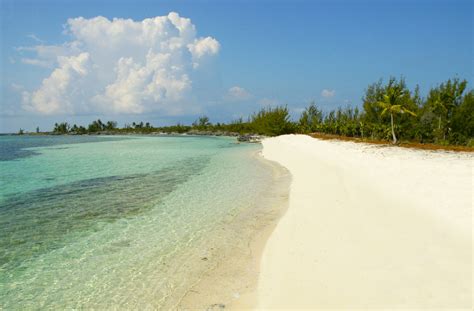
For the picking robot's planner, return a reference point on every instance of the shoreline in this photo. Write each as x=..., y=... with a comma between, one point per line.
x=369, y=227
x=322, y=136
x=231, y=283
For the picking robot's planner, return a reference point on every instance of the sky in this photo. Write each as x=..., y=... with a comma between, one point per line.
x=171, y=61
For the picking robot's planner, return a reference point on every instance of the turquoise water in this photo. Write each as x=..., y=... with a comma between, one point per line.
x=121, y=222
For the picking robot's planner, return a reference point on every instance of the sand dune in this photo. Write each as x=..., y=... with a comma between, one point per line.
x=369, y=227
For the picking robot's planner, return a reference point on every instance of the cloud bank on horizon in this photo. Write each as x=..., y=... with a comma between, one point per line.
x=121, y=66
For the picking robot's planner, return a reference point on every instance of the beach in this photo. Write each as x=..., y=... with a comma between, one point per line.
x=204, y=223
x=369, y=226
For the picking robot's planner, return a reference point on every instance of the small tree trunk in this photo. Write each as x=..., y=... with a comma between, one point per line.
x=393, y=130
x=439, y=123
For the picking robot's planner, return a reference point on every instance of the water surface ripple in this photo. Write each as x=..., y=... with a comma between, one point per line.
x=117, y=223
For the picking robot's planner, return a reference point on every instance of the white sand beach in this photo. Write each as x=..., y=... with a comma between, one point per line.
x=369, y=227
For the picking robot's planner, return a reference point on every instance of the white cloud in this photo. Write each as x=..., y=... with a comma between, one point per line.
x=50, y=53
x=328, y=93
x=56, y=94
x=17, y=87
x=121, y=66
x=36, y=62
x=35, y=38
x=268, y=102
x=237, y=93
x=202, y=47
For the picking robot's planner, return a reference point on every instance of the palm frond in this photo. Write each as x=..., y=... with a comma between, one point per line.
x=409, y=112
x=382, y=104
x=396, y=108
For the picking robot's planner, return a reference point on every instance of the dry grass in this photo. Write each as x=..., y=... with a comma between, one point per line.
x=414, y=145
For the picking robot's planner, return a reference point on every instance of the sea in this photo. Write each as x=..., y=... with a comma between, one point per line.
x=121, y=222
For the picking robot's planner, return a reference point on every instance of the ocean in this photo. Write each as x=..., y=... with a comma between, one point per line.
x=119, y=221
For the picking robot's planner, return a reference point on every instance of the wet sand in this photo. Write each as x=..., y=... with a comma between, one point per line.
x=230, y=282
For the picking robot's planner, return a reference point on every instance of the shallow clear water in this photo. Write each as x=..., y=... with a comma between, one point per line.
x=115, y=221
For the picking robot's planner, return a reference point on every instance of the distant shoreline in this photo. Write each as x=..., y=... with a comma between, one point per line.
x=404, y=144
x=127, y=134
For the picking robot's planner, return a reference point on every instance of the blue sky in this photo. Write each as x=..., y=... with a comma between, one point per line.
x=258, y=53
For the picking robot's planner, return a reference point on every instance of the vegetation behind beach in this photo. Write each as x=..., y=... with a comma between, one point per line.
x=389, y=111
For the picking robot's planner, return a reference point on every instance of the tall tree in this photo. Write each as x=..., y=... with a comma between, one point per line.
x=111, y=125
x=202, y=123
x=444, y=100
x=61, y=128
x=394, y=102
x=463, y=121
x=310, y=119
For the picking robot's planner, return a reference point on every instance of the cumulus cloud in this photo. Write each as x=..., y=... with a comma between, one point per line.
x=120, y=66
x=202, y=47
x=238, y=93
x=56, y=94
x=49, y=53
x=328, y=93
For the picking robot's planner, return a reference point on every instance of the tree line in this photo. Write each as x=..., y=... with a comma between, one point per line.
x=393, y=112
x=389, y=111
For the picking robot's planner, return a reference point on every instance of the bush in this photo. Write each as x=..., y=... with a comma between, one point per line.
x=272, y=122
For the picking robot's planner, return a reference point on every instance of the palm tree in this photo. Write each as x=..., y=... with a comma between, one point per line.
x=440, y=108
x=393, y=103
